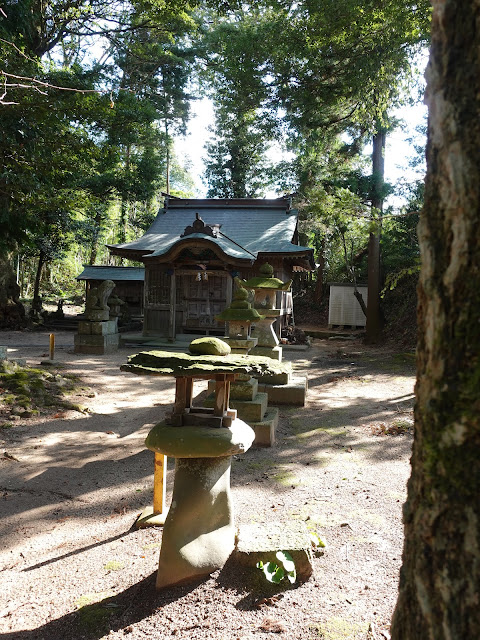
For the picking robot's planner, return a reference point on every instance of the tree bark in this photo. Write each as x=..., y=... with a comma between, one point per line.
x=440, y=577
x=374, y=324
x=12, y=311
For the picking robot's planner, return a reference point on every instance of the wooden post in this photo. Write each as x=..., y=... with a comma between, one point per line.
x=155, y=516
x=52, y=346
x=220, y=400
x=172, y=313
x=159, y=483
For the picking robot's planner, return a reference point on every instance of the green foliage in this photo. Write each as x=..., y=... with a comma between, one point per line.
x=275, y=573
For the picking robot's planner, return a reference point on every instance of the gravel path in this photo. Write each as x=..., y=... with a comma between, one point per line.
x=72, y=485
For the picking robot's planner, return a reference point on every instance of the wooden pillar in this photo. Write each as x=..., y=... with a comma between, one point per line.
x=159, y=483
x=173, y=299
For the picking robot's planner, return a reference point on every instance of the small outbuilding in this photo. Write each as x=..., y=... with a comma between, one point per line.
x=128, y=283
x=195, y=248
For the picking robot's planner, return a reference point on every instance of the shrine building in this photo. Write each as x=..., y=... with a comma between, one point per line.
x=195, y=248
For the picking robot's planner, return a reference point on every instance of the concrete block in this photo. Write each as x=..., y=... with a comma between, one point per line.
x=266, y=429
x=257, y=542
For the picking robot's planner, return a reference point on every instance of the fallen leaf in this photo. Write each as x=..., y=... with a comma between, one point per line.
x=61, y=414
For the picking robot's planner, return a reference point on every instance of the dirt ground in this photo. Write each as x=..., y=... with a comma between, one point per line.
x=72, y=485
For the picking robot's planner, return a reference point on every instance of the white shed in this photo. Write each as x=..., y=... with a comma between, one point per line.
x=344, y=309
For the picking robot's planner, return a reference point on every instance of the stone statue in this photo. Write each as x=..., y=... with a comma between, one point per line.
x=96, y=307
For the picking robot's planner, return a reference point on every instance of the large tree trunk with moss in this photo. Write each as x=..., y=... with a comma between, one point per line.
x=440, y=577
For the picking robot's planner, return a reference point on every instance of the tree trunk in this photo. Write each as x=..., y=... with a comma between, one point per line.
x=12, y=311
x=318, y=294
x=440, y=577
x=37, y=300
x=374, y=323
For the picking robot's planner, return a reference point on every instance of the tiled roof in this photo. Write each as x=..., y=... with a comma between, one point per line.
x=112, y=273
x=246, y=227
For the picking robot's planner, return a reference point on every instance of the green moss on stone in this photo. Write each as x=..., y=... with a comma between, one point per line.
x=200, y=442
x=165, y=363
x=209, y=346
x=241, y=315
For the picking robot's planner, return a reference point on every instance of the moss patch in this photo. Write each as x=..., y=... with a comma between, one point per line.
x=209, y=346
x=339, y=629
x=27, y=391
x=164, y=363
x=95, y=610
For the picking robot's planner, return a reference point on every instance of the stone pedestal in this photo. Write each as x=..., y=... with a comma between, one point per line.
x=241, y=346
x=251, y=406
x=97, y=336
x=261, y=542
x=267, y=341
x=199, y=532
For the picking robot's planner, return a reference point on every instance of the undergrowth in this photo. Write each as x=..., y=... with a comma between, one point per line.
x=26, y=391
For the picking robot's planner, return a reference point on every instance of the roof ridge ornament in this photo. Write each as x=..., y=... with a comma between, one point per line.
x=199, y=226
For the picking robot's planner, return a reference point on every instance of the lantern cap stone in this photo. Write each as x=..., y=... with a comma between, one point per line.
x=166, y=363
x=200, y=442
x=240, y=309
x=266, y=280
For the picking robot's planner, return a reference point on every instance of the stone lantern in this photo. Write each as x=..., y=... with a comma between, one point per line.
x=199, y=531
x=240, y=316
x=265, y=287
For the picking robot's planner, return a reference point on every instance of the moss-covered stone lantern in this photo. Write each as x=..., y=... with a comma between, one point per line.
x=265, y=287
x=199, y=533
x=240, y=317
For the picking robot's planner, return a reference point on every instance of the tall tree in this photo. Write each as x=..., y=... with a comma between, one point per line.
x=440, y=576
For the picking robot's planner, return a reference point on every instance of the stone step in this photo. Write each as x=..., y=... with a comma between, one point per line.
x=248, y=410
x=265, y=430
x=239, y=390
x=293, y=393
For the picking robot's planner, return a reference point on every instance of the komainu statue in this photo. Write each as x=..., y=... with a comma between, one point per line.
x=96, y=307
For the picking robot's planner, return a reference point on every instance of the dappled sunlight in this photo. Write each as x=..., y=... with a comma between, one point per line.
x=77, y=482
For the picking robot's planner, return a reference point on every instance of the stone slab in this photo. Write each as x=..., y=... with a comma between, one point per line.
x=265, y=430
x=148, y=518
x=276, y=378
x=255, y=542
x=293, y=393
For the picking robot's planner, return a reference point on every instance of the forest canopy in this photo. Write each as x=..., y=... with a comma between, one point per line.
x=93, y=95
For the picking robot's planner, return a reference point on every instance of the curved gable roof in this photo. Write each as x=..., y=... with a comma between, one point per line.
x=243, y=228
